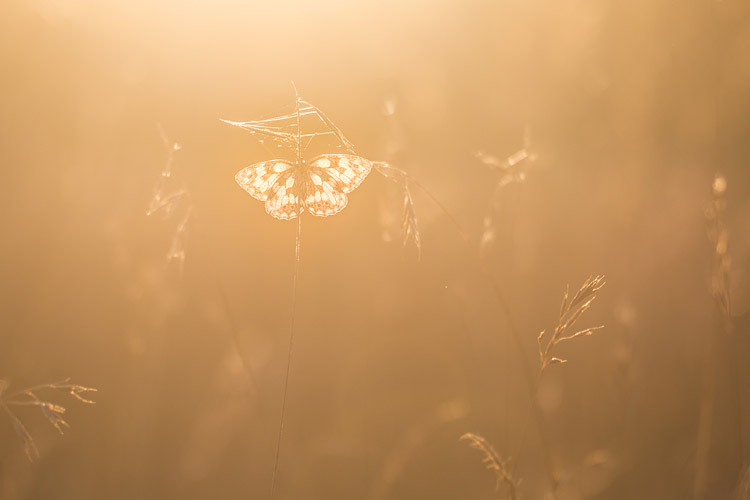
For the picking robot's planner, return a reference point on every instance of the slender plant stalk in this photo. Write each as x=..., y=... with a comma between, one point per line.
x=570, y=311
x=253, y=392
x=720, y=270
x=163, y=201
x=292, y=314
x=708, y=383
x=288, y=358
x=705, y=418
x=529, y=377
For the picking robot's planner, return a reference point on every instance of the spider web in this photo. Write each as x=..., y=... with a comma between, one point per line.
x=287, y=130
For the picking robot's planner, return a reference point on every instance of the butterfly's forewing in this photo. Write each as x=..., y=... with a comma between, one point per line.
x=329, y=178
x=347, y=171
x=260, y=179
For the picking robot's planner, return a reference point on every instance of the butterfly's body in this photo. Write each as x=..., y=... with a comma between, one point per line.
x=319, y=186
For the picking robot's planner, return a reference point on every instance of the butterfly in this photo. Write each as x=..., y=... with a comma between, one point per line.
x=319, y=186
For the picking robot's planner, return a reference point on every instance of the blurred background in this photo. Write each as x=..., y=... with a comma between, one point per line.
x=626, y=111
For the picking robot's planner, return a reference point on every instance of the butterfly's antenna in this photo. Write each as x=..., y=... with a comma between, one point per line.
x=294, y=307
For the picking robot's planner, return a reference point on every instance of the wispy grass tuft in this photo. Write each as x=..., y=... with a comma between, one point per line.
x=511, y=170
x=409, y=224
x=570, y=311
x=500, y=467
x=170, y=195
x=409, y=227
x=51, y=411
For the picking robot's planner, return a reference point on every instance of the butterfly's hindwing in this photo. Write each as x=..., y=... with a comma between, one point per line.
x=284, y=200
x=322, y=194
x=261, y=178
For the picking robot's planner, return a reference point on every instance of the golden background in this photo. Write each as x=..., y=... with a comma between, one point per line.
x=630, y=109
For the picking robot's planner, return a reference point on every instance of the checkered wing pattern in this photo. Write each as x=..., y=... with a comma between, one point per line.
x=258, y=179
x=321, y=188
x=273, y=182
x=346, y=171
x=329, y=179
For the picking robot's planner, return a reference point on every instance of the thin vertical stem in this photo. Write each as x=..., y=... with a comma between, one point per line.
x=294, y=307
x=289, y=356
